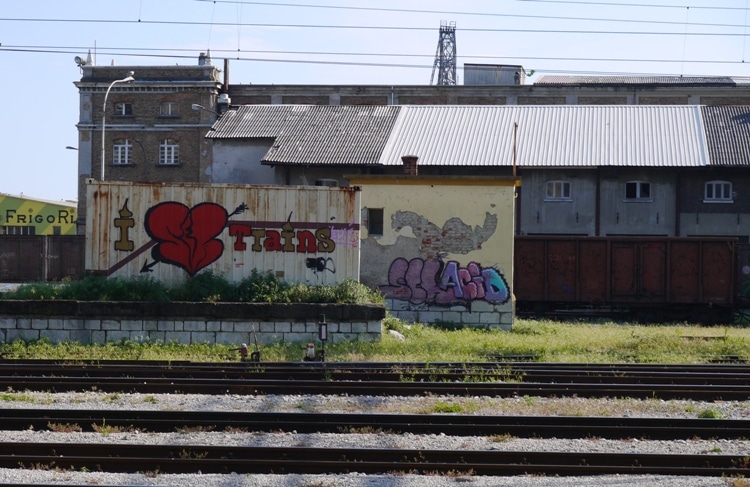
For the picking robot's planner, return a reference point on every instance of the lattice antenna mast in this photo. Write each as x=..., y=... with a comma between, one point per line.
x=445, y=56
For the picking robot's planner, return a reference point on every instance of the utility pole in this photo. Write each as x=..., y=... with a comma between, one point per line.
x=445, y=56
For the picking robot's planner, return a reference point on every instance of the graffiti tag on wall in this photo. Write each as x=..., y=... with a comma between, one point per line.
x=455, y=236
x=189, y=238
x=432, y=281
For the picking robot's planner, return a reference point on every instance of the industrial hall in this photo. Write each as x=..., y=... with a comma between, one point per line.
x=597, y=156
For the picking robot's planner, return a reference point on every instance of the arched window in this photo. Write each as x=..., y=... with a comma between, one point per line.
x=122, y=149
x=169, y=152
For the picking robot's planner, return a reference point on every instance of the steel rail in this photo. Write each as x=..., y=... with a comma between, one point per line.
x=285, y=460
x=706, y=382
x=360, y=371
x=705, y=392
x=455, y=425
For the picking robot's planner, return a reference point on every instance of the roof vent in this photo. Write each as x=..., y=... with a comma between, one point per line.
x=331, y=183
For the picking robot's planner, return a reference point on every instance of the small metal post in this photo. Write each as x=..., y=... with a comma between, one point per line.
x=323, y=332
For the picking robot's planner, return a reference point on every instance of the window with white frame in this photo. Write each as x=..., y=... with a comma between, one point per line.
x=169, y=152
x=122, y=149
x=718, y=191
x=558, y=191
x=638, y=190
x=123, y=109
x=169, y=109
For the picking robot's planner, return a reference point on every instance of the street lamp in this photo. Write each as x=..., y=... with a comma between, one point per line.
x=196, y=107
x=126, y=79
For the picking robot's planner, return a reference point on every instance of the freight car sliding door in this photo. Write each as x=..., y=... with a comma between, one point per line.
x=638, y=271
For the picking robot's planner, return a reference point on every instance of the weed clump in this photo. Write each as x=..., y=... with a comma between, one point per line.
x=205, y=287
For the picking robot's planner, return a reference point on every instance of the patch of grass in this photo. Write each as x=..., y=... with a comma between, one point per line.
x=578, y=342
x=447, y=407
x=710, y=413
x=16, y=397
x=196, y=429
x=502, y=438
x=64, y=427
x=108, y=429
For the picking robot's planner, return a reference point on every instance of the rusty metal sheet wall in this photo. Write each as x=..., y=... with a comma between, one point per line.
x=638, y=270
x=593, y=268
x=530, y=276
x=562, y=267
x=628, y=270
x=21, y=258
x=742, y=274
x=684, y=272
x=303, y=234
x=65, y=256
x=717, y=260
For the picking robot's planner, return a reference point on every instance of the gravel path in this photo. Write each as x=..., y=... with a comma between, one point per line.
x=517, y=405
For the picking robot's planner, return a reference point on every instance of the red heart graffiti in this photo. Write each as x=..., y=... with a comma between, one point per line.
x=186, y=237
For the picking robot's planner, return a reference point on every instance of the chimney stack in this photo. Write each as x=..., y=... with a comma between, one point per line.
x=410, y=165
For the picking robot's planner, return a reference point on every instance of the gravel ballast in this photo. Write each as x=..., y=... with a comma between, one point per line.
x=356, y=404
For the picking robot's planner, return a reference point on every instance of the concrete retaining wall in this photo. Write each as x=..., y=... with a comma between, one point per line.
x=481, y=314
x=99, y=322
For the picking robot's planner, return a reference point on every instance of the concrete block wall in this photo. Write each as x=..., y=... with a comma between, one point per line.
x=232, y=324
x=481, y=314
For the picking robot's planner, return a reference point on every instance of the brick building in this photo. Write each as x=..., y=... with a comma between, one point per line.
x=153, y=133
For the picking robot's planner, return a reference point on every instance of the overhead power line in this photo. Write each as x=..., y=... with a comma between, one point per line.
x=374, y=27
x=454, y=12
x=237, y=57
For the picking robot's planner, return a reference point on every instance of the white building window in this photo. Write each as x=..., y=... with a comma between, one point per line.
x=169, y=109
x=169, y=152
x=122, y=149
x=558, y=191
x=718, y=192
x=123, y=109
x=638, y=190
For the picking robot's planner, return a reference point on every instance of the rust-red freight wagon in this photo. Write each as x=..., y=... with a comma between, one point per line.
x=649, y=278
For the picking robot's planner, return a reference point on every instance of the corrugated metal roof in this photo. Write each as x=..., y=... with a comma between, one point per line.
x=310, y=134
x=727, y=134
x=635, y=80
x=554, y=136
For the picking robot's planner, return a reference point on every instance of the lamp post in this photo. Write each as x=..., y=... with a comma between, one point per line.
x=197, y=107
x=126, y=79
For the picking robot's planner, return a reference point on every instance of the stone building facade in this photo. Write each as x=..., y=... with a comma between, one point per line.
x=152, y=131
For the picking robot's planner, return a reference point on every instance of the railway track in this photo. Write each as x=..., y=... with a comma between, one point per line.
x=454, y=425
x=285, y=460
x=386, y=379
x=699, y=382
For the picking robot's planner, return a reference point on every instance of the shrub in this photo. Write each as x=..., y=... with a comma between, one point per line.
x=204, y=287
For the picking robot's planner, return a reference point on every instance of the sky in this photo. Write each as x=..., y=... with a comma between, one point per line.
x=391, y=42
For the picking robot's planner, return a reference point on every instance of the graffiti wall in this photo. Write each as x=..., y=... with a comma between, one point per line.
x=445, y=250
x=173, y=231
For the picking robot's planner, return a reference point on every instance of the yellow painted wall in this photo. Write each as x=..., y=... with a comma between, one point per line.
x=44, y=216
x=459, y=221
